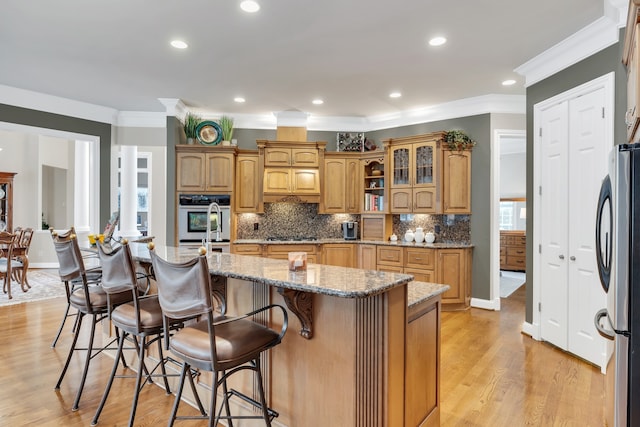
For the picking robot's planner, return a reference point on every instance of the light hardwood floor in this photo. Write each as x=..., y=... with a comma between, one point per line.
x=492, y=375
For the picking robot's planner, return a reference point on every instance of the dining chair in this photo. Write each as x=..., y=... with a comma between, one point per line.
x=7, y=243
x=93, y=276
x=87, y=300
x=222, y=346
x=20, y=265
x=141, y=319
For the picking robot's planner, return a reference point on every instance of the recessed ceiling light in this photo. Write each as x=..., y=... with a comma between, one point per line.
x=437, y=41
x=179, y=44
x=395, y=95
x=239, y=99
x=508, y=82
x=250, y=6
x=318, y=101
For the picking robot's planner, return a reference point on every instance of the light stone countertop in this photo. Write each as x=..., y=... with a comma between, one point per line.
x=435, y=245
x=318, y=278
x=418, y=292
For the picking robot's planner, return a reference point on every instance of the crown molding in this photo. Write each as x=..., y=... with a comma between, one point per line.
x=141, y=119
x=57, y=105
x=591, y=39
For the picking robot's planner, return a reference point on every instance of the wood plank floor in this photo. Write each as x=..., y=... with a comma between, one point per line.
x=492, y=375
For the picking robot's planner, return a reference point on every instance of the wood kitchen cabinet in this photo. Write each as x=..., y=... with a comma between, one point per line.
x=340, y=190
x=421, y=263
x=6, y=201
x=252, y=249
x=205, y=169
x=247, y=183
x=282, y=251
x=367, y=257
x=290, y=170
x=339, y=254
x=453, y=268
x=426, y=177
x=374, y=183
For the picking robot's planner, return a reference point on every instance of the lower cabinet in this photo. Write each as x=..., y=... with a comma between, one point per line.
x=367, y=257
x=282, y=252
x=339, y=254
x=446, y=266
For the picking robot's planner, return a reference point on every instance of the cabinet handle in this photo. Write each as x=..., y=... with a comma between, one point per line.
x=561, y=256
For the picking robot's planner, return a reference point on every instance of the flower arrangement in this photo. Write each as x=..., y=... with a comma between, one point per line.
x=191, y=122
x=458, y=140
x=226, y=124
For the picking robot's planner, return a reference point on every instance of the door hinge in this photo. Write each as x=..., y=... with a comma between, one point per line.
x=540, y=133
x=540, y=306
x=539, y=249
x=603, y=112
x=540, y=190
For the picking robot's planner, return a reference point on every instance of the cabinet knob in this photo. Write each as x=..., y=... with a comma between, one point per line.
x=572, y=258
x=561, y=256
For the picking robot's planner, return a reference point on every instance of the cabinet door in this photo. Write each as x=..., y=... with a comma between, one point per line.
x=421, y=258
x=452, y=271
x=277, y=156
x=424, y=200
x=246, y=195
x=219, y=169
x=339, y=254
x=277, y=181
x=304, y=157
x=333, y=197
x=423, y=166
x=401, y=160
x=367, y=257
x=190, y=171
x=305, y=181
x=401, y=200
x=421, y=275
x=390, y=255
x=352, y=185
x=456, y=181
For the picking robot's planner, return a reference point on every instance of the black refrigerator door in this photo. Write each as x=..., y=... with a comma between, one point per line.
x=604, y=233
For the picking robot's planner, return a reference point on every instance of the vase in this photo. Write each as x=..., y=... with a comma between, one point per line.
x=408, y=236
x=419, y=235
x=190, y=141
x=226, y=143
x=430, y=237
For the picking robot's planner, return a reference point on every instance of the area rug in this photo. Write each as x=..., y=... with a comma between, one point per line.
x=44, y=285
x=510, y=281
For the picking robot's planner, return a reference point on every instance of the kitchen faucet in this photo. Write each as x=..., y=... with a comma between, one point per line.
x=206, y=242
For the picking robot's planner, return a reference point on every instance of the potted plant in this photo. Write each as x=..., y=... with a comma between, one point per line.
x=191, y=122
x=458, y=140
x=226, y=124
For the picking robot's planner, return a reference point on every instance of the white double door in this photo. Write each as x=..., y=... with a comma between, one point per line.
x=573, y=162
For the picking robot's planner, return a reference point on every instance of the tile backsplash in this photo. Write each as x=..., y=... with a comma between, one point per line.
x=303, y=220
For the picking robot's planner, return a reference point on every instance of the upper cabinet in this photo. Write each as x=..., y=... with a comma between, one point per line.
x=427, y=178
x=374, y=183
x=6, y=201
x=631, y=60
x=205, y=169
x=340, y=189
x=246, y=195
x=290, y=170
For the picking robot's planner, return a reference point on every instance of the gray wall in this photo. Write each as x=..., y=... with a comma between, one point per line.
x=603, y=62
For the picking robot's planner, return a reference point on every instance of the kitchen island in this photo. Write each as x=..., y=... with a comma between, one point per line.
x=368, y=350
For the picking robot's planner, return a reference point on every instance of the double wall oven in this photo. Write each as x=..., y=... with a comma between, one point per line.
x=192, y=220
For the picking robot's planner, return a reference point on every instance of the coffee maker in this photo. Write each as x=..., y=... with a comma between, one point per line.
x=350, y=230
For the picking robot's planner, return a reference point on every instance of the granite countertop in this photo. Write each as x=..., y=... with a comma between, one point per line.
x=318, y=278
x=435, y=245
x=418, y=292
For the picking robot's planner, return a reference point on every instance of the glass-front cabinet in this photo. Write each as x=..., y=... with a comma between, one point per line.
x=413, y=177
x=6, y=201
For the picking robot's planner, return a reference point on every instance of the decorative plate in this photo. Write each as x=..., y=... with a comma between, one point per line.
x=209, y=133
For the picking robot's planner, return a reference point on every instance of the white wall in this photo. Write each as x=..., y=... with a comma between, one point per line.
x=513, y=175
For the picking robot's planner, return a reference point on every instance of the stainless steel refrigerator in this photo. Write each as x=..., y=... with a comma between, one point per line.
x=618, y=258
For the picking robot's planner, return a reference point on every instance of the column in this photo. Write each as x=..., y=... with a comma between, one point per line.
x=129, y=190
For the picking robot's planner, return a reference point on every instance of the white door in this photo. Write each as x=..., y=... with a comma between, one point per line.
x=554, y=211
x=574, y=161
x=587, y=166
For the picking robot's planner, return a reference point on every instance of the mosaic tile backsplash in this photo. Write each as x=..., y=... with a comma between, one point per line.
x=302, y=220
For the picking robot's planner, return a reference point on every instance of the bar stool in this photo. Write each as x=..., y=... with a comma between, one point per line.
x=222, y=347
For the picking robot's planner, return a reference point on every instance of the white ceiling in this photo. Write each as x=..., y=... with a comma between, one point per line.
x=350, y=53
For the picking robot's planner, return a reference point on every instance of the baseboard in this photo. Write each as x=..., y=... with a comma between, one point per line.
x=528, y=329
x=485, y=304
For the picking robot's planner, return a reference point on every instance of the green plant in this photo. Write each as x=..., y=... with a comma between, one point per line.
x=458, y=140
x=191, y=122
x=226, y=124
x=45, y=224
